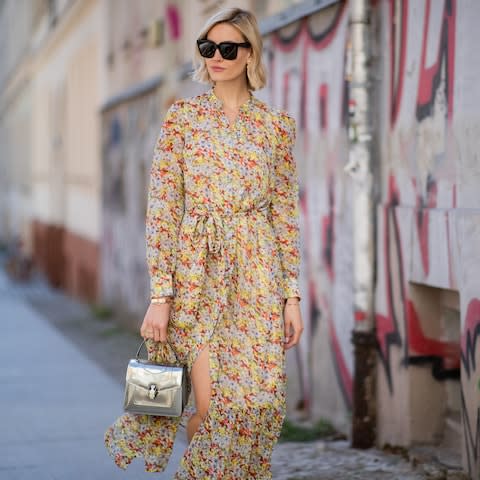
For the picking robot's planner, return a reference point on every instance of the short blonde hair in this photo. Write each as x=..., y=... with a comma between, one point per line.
x=246, y=23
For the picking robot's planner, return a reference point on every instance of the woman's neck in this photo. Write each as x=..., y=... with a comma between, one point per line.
x=231, y=94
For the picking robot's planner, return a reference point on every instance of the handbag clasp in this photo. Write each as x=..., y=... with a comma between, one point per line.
x=152, y=391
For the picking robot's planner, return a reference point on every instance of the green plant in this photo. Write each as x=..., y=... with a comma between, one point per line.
x=292, y=432
x=102, y=312
x=110, y=332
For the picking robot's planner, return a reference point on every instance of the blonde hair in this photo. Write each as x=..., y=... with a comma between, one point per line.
x=246, y=23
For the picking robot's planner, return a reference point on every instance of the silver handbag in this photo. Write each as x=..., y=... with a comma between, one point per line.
x=156, y=389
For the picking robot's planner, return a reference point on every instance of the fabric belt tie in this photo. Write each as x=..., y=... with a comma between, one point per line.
x=209, y=235
x=211, y=223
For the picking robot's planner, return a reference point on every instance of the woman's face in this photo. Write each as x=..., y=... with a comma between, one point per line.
x=219, y=69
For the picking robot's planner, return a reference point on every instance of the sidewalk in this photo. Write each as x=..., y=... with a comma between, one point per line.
x=55, y=354
x=55, y=403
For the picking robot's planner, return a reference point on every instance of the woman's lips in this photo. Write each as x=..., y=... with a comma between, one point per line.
x=218, y=69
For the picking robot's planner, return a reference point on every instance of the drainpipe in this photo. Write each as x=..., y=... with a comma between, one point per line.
x=360, y=168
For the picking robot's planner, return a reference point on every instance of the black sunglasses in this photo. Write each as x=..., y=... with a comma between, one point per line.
x=228, y=50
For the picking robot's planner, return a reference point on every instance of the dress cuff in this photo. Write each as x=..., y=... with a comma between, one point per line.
x=290, y=289
x=161, y=286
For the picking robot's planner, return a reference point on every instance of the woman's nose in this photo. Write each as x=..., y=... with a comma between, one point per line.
x=217, y=55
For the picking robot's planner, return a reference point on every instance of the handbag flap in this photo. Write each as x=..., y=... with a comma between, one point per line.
x=143, y=374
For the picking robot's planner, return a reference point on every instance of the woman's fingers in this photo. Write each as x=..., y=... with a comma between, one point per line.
x=146, y=331
x=155, y=323
x=287, y=330
x=163, y=335
x=293, y=340
x=296, y=335
x=293, y=328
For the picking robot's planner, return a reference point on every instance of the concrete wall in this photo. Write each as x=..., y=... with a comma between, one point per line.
x=66, y=171
x=306, y=63
x=129, y=133
x=16, y=21
x=15, y=178
x=427, y=300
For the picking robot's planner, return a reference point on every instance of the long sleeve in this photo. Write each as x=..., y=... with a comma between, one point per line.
x=284, y=208
x=165, y=203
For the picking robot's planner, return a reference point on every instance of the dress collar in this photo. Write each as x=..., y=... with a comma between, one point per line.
x=245, y=106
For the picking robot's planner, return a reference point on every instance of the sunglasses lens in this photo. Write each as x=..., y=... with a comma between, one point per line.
x=228, y=51
x=207, y=49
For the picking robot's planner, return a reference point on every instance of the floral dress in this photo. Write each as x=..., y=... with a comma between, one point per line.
x=222, y=238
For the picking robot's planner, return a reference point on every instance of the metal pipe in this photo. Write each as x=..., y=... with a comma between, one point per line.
x=360, y=167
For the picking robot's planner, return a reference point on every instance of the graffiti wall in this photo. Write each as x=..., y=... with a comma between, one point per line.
x=427, y=135
x=428, y=291
x=130, y=128
x=129, y=133
x=306, y=63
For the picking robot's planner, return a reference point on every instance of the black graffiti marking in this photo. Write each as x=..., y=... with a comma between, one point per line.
x=439, y=372
x=472, y=440
x=468, y=357
x=426, y=110
x=319, y=37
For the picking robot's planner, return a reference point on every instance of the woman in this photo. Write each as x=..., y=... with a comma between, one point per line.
x=223, y=256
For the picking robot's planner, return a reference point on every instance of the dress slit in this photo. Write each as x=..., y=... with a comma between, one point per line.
x=207, y=345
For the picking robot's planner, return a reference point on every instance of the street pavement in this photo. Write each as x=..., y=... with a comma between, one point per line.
x=61, y=375
x=55, y=403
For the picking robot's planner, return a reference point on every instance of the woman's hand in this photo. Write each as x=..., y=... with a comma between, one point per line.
x=155, y=322
x=292, y=317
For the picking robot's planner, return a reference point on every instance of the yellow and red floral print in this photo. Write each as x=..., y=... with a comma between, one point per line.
x=222, y=238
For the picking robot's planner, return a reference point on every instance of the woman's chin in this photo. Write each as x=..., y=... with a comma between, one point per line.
x=217, y=76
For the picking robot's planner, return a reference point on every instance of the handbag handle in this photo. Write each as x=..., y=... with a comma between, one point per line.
x=137, y=356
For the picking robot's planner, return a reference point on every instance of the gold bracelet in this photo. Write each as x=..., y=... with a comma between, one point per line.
x=288, y=301
x=159, y=300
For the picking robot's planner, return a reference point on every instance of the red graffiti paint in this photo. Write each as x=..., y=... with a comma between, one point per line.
x=360, y=316
x=294, y=80
x=286, y=89
x=345, y=377
x=421, y=345
x=419, y=349
x=288, y=43
x=323, y=95
x=430, y=77
x=398, y=51
x=322, y=40
x=173, y=19
x=387, y=327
